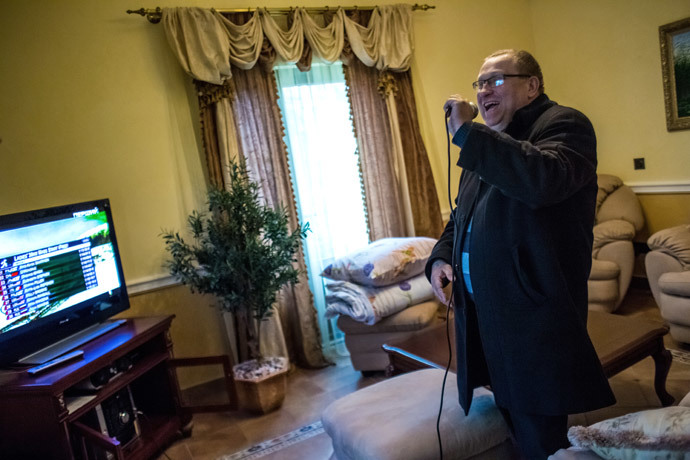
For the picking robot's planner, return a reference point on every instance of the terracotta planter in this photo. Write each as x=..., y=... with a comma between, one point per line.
x=261, y=391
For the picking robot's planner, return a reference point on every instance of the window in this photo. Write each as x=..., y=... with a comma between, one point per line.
x=325, y=172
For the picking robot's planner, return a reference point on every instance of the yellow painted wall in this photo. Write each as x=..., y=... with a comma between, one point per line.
x=451, y=43
x=197, y=329
x=603, y=57
x=93, y=105
x=664, y=211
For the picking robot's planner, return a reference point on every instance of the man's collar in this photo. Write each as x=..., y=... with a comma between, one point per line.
x=527, y=115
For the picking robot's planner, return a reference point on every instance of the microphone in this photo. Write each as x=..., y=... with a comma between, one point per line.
x=475, y=110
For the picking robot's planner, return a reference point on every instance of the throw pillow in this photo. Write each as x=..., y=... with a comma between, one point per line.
x=383, y=262
x=651, y=434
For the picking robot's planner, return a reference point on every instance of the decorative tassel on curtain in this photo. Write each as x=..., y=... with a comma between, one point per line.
x=240, y=119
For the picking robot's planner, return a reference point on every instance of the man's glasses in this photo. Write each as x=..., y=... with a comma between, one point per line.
x=496, y=80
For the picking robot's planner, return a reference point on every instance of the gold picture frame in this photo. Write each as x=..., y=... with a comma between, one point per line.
x=675, y=66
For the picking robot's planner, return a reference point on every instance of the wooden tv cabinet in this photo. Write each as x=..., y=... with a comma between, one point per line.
x=50, y=415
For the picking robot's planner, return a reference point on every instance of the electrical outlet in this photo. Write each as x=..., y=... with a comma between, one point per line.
x=639, y=163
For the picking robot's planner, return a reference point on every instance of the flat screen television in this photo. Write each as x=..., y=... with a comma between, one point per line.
x=60, y=280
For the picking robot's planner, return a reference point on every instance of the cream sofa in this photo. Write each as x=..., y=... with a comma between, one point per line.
x=668, y=272
x=618, y=219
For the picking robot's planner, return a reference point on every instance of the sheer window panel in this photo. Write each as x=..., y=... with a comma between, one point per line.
x=324, y=164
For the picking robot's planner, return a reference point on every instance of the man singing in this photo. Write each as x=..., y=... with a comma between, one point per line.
x=518, y=249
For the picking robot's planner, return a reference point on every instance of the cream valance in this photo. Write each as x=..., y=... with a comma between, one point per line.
x=206, y=43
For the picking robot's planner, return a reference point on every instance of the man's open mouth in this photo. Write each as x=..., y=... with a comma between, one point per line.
x=489, y=106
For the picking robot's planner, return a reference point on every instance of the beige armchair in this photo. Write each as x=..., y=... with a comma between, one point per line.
x=668, y=272
x=618, y=219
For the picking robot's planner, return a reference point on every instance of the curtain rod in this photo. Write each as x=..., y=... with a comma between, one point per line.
x=154, y=16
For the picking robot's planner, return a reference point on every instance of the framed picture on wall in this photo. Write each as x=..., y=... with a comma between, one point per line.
x=675, y=64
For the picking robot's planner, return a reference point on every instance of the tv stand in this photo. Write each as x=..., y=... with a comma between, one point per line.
x=70, y=343
x=121, y=401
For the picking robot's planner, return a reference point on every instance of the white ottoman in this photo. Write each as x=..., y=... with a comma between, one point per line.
x=396, y=420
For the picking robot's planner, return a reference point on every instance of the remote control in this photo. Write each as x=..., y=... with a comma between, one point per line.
x=54, y=362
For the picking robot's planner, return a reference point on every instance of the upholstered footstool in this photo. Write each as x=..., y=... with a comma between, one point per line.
x=396, y=420
x=364, y=341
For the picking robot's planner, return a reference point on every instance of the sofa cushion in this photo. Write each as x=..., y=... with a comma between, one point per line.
x=674, y=241
x=675, y=283
x=574, y=453
x=383, y=262
x=675, y=310
x=612, y=230
x=685, y=402
x=657, y=433
x=607, y=184
x=616, y=200
x=605, y=270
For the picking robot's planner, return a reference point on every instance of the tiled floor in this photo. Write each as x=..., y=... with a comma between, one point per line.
x=310, y=391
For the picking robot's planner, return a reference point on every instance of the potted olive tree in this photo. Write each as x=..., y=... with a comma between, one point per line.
x=242, y=253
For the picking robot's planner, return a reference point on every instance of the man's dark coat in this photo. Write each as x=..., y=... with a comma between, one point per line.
x=530, y=193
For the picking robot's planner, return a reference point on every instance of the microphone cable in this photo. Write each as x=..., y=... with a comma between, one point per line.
x=450, y=299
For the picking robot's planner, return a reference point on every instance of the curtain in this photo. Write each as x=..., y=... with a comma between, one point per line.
x=205, y=42
x=231, y=57
x=399, y=184
x=426, y=211
x=372, y=129
x=260, y=135
x=325, y=171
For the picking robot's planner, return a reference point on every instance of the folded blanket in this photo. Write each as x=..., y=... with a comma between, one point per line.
x=370, y=304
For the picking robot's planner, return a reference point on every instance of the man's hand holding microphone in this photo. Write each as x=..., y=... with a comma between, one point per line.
x=458, y=111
